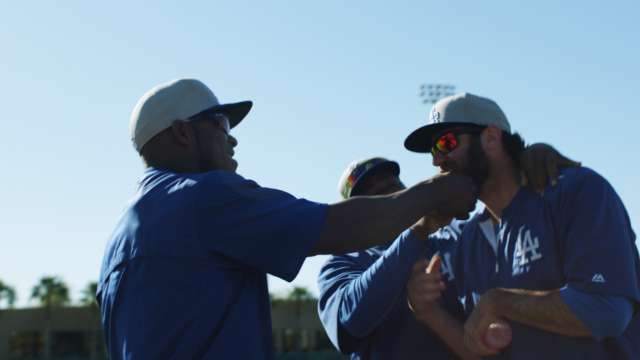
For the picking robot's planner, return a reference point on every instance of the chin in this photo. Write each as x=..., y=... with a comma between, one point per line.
x=233, y=165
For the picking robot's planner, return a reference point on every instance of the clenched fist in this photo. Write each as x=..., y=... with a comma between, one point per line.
x=455, y=195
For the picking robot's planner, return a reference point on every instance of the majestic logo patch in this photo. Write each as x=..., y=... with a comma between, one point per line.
x=526, y=251
x=598, y=278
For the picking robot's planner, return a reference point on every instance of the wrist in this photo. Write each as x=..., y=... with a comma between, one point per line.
x=419, y=231
x=493, y=301
x=430, y=195
x=426, y=312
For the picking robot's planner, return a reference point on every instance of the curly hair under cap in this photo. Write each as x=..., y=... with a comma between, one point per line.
x=514, y=146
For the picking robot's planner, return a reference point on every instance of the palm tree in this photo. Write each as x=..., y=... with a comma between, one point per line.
x=89, y=300
x=50, y=292
x=89, y=294
x=299, y=295
x=7, y=295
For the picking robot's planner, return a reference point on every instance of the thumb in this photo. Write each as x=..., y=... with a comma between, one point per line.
x=434, y=265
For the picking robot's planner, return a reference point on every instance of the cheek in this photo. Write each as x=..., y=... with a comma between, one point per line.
x=456, y=154
x=457, y=158
x=220, y=144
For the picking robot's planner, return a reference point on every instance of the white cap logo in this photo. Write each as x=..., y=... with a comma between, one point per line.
x=435, y=115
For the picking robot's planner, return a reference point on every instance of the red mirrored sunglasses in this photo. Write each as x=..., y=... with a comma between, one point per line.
x=448, y=141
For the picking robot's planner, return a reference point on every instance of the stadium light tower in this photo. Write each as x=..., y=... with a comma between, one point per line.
x=431, y=93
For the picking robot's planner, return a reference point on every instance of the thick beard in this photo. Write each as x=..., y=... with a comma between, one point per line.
x=477, y=166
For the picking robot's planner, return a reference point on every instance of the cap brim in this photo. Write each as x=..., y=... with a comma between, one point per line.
x=388, y=165
x=421, y=140
x=234, y=111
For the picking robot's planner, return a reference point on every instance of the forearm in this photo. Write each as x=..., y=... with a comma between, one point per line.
x=368, y=298
x=448, y=329
x=362, y=222
x=544, y=310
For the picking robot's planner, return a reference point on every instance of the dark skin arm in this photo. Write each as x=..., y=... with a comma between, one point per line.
x=362, y=222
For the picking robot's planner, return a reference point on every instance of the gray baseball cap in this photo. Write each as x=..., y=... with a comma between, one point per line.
x=460, y=110
x=179, y=99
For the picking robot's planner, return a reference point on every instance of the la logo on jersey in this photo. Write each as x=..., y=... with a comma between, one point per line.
x=526, y=251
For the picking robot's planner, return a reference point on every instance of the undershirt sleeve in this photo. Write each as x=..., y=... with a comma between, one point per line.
x=605, y=315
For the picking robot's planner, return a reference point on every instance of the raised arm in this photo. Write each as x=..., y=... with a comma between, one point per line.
x=362, y=222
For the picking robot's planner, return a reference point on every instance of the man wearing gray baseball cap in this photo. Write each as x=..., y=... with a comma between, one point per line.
x=558, y=272
x=184, y=272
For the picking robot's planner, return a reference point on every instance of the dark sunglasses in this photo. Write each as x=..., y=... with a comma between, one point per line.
x=448, y=141
x=221, y=119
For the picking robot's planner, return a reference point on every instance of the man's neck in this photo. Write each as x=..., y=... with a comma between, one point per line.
x=499, y=190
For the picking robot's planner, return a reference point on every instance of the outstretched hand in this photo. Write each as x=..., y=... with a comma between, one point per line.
x=425, y=285
x=541, y=164
x=455, y=194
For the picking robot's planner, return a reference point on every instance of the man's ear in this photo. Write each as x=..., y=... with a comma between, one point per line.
x=491, y=138
x=182, y=133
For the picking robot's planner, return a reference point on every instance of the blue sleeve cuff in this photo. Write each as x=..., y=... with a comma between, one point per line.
x=605, y=315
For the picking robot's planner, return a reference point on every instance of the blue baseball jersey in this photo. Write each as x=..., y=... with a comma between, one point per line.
x=184, y=273
x=363, y=299
x=576, y=234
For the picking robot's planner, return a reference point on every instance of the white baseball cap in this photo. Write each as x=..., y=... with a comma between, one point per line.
x=459, y=110
x=178, y=99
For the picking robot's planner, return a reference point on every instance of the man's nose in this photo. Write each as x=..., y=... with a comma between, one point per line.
x=233, y=141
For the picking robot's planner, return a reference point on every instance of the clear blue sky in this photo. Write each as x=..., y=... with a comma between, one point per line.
x=332, y=81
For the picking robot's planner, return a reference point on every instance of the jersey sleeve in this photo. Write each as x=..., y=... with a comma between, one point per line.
x=268, y=229
x=600, y=255
x=358, y=291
